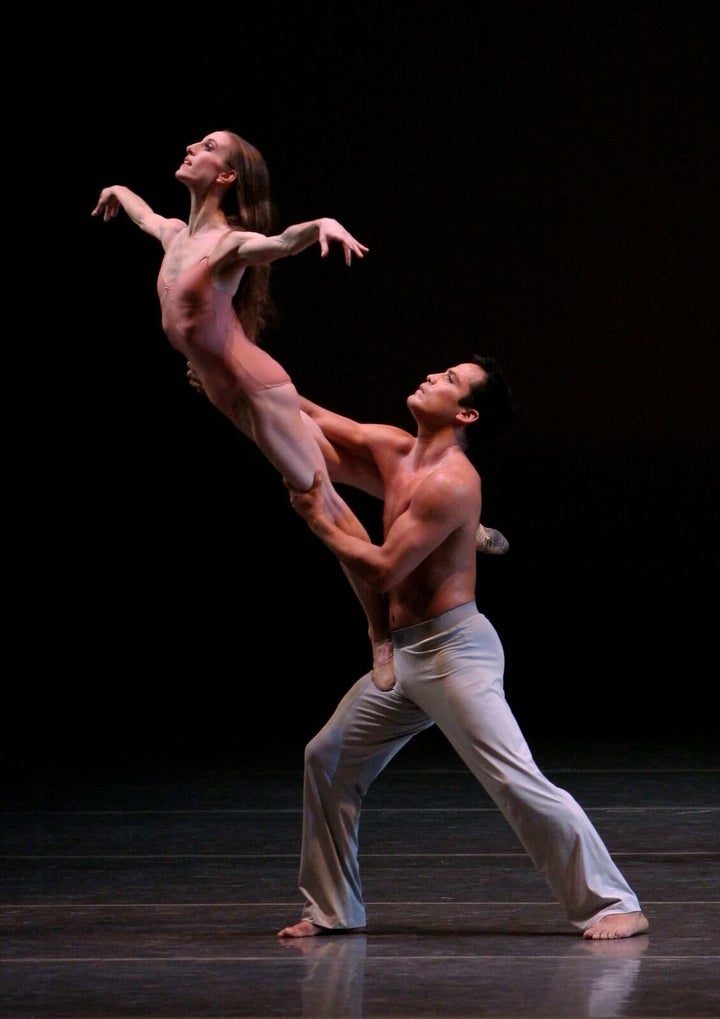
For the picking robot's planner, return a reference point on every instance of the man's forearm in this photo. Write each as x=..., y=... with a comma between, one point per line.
x=358, y=555
x=355, y=554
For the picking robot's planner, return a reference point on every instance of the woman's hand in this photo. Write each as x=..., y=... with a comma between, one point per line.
x=108, y=205
x=330, y=230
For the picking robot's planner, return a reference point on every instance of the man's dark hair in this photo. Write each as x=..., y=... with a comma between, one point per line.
x=491, y=398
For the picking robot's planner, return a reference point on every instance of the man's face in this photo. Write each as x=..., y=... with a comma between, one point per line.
x=440, y=394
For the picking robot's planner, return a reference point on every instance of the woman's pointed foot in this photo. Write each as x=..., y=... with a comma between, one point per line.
x=490, y=541
x=383, y=668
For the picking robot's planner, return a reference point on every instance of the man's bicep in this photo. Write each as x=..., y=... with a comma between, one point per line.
x=342, y=431
x=438, y=507
x=347, y=469
x=408, y=542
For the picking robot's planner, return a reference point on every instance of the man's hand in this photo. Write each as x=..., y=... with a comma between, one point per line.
x=193, y=379
x=309, y=505
x=305, y=503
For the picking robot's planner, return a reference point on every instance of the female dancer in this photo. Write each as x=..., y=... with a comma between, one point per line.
x=214, y=293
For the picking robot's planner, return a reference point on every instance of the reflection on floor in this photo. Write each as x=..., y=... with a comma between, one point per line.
x=157, y=892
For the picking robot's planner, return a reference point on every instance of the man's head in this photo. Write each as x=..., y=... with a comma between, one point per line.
x=491, y=398
x=474, y=392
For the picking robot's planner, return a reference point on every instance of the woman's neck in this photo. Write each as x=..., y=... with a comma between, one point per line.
x=205, y=214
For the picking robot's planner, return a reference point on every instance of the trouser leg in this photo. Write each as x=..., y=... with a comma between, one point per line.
x=457, y=678
x=365, y=732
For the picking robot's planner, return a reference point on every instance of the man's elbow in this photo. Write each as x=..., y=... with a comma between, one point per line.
x=382, y=579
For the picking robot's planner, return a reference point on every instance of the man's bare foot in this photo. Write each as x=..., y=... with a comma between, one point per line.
x=304, y=929
x=490, y=541
x=383, y=670
x=600, y=948
x=617, y=925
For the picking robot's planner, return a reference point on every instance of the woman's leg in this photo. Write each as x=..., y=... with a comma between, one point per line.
x=286, y=437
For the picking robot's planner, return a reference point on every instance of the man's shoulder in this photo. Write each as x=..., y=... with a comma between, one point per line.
x=452, y=477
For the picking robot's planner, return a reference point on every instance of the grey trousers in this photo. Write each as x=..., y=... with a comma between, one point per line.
x=450, y=673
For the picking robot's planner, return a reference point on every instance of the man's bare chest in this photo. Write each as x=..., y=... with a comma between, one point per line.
x=406, y=481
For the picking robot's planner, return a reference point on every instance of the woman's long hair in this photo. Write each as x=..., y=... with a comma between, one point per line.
x=249, y=205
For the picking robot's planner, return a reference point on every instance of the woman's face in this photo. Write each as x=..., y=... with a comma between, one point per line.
x=206, y=161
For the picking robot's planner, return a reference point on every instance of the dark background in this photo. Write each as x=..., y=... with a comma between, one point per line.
x=538, y=181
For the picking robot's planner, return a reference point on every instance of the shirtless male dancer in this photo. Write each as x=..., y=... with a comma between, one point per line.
x=214, y=293
x=448, y=664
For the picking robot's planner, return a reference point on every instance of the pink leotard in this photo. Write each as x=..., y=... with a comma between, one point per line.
x=201, y=323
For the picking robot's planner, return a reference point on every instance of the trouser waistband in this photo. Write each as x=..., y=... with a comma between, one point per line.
x=408, y=635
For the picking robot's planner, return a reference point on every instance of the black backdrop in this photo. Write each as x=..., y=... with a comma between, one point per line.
x=535, y=180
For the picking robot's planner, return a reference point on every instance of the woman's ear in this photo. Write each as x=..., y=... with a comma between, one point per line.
x=227, y=176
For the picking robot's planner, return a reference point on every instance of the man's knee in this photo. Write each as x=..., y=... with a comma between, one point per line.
x=323, y=753
x=316, y=751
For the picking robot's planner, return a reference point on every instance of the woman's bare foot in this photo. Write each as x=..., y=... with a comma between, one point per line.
x=617, y=925
x=383, y=669
x=304, y=929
